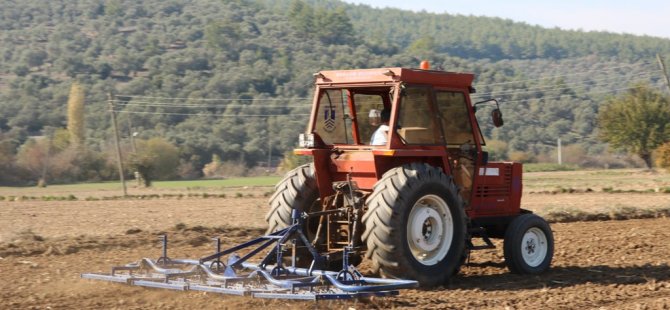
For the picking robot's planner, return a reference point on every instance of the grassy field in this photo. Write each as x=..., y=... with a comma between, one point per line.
x=633, y=180
x=237, y=182
x=159, y=187
x=598, y=180
x=559, y=196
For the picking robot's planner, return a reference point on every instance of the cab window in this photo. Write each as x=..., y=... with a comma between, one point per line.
x=453, y=111
x=416, y=123
x=333, y=123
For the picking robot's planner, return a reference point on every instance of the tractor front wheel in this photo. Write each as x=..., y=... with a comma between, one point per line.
x=528, y=245
x=415, y=226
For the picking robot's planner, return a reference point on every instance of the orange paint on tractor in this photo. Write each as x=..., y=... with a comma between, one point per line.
x=399, y=173
x=367, y=164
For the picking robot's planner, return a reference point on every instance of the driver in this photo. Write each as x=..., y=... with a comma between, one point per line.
x=379, y=137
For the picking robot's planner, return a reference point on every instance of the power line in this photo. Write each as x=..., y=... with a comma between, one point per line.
x=545, y=89
x=565, y=86
x=570, y=95
x=213, y=99
x=568, y=74
x=215, y=115
x=201, y=105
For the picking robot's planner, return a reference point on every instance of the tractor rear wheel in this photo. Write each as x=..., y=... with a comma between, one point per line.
x=528, y=245
x=297, y=190
x=415, y=226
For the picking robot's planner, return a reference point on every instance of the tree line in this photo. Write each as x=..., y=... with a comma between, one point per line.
x=253, y=62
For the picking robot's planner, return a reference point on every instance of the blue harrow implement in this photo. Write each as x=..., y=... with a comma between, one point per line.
x=269, y=278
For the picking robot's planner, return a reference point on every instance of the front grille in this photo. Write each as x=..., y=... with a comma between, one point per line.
x=486, y=190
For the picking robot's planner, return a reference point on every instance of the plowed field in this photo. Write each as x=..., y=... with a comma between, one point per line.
x=45, y=245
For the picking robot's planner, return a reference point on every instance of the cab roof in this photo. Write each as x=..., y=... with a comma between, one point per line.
x=393, y=75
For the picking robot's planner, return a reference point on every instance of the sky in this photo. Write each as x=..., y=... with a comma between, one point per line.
x=642, y=17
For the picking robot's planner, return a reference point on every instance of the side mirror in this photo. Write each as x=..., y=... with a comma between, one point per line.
x=485, y=158
x=497, y=117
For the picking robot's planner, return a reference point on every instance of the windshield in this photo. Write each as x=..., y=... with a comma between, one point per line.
x=344, y=114
x=455, y=117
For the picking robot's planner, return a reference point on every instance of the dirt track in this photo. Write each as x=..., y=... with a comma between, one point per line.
x=612, y=265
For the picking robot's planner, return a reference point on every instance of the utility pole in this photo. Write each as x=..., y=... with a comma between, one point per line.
x=665, y=72
x=560, y=155
x=131, y=134
x=269, y=145
x=45, y=167
x=119, y=158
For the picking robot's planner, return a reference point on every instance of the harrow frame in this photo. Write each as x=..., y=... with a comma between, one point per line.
x=240, y=277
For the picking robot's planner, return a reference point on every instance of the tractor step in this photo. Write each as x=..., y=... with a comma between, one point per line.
x=481, y=233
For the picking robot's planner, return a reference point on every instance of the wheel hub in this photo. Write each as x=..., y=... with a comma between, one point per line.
x=534, y=247
x=530, y=246
x=430, y=229
x=426, y=229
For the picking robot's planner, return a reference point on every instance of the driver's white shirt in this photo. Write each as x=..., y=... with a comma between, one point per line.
x=379, y=136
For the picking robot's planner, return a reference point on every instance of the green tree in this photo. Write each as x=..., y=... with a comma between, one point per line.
x=9, y=170
x=301, y=16
x=423, y=47
x=155, y=159
x=75, y=114
x=32, y=157
x=292, y=161
x=34, y=58
x=497, y=149
x=636, y=122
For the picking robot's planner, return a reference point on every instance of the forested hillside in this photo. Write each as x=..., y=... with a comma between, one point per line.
x=232, y=78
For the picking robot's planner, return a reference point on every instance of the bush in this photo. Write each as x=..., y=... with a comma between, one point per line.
x=187, y=170
x=155, y=159
x=522, y=157
x=497, y=149
x=218, y=169
x=537, y=167
x=292, y=161
x=662, y=155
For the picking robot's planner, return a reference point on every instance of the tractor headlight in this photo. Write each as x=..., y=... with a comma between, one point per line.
x=306, y=140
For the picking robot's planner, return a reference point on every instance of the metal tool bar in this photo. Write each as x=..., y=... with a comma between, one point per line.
x=240, y=277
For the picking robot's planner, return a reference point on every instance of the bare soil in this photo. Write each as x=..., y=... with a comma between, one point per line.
x=44, y=246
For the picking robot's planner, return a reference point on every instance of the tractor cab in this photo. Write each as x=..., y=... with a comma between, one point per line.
x=430, y=119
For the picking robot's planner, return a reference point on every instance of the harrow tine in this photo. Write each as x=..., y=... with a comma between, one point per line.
x=260, y=280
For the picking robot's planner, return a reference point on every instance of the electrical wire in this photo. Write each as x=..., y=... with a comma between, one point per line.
x=215, y=115
x=572, y=96
x=199, y=105
x=174, y=104
x=564, y=86
x=212, y=99
x=568, y=74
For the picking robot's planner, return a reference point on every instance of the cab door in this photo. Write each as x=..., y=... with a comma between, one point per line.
x=456, y=123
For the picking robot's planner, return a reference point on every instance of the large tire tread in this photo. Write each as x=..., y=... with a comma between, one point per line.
x=513, y=237
x=294, y=191
x=383, y=223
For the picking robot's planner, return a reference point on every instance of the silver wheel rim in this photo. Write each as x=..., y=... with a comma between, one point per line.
x=430, y=230
x=534, y=247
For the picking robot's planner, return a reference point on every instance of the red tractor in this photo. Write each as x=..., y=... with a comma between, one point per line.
x=399, y=175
